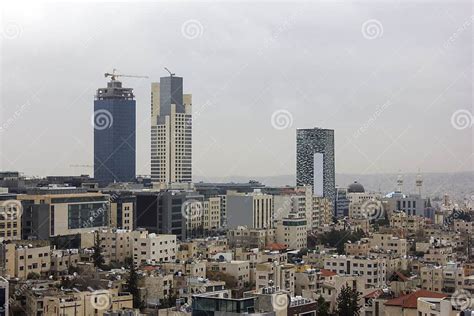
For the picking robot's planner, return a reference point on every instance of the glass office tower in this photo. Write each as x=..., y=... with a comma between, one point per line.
x=114, y=134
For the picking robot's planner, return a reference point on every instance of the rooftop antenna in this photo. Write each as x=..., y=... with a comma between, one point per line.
x=171, y=74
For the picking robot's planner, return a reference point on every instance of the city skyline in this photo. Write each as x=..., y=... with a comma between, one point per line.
x=411, y=130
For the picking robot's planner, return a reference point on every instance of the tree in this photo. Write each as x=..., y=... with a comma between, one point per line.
x=347, y=302
x=132, y=286
x=33, y=276
x=97, y=256
x=230, y=281
x=323, y=307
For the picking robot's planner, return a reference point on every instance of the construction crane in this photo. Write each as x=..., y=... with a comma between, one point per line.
x=115, y=75
x=171, y=74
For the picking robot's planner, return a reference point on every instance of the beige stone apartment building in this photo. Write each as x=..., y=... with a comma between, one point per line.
x=240, y=270
x=23, y=258
x=153, y=248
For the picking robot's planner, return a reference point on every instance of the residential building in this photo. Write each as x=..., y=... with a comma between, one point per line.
x=274, y=274
x=373, y=269
x=11, y=212
x=117, y=244
x=150, y=248
x=250, y=238
x=62, y=260
x=240, y=270
x=389, y=244
x=22, y=258
x=292, y=232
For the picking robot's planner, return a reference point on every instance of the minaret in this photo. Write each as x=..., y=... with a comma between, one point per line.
x=419, y=182
x=399, y=183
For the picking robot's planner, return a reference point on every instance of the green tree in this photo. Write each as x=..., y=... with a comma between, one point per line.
x=323, y=307
x=347, y=302
x=33, y=276
x=132, y=286
x=97, y=256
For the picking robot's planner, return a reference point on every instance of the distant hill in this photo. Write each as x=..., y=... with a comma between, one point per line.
x=458, y=185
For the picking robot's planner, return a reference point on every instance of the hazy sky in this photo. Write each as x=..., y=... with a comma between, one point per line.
x=394, y=80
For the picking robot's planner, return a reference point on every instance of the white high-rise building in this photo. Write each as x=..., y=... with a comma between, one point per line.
x=171, y=132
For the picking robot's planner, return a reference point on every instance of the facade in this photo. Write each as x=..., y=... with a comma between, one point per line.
x=410, y=204
x=254, y=210
x=240, y=270
x=50, y=215
x=117, y=244
x=341, y=206
x=114, y=134
x=315, y=164
x=292, y=232
x=62, y=260
x=373, y=270
x=171, y=131
x=250, y=238
x=161, y=213
x=4, y=297
x=273, y=274
x=22, y=259
x=389, y=244
x=122, y=207
x=10, y=219
x=322, y=213
x=153, y=248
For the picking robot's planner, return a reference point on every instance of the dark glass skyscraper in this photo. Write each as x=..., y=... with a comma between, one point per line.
x=315, y=160
x=114, y=134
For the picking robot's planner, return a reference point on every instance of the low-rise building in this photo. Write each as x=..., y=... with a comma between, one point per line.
x=240, y=270
x=152, y=248
x=281, y=276
x=250, y=238
x=374, y=269
x=292, y=232
x=26, y=257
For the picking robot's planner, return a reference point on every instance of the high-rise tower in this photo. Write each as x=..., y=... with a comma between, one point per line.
x=114, y=134
x=315, y=160
x=171, y=132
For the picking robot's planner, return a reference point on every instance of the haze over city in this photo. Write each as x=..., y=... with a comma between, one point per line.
x=388, y=88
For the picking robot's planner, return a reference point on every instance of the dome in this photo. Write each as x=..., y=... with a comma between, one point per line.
x=355, y=188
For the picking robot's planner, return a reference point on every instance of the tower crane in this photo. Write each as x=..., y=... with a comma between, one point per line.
x=115, y=75
x=171, y=74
